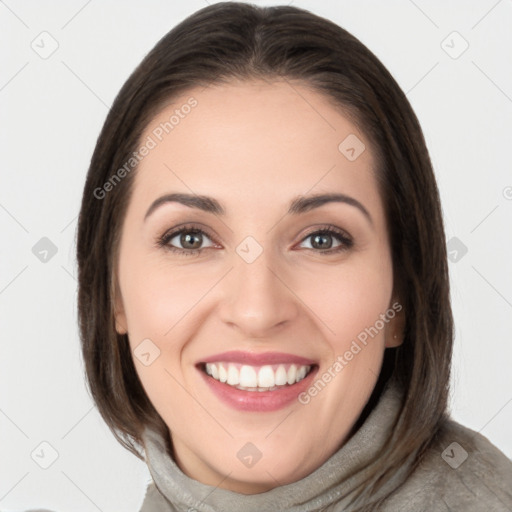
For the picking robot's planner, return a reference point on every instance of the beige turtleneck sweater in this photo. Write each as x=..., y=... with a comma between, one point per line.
x=444, y=481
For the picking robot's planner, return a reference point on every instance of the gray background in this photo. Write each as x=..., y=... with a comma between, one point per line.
x=53, y=107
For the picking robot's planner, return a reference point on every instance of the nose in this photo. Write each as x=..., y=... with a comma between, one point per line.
x=257, y=299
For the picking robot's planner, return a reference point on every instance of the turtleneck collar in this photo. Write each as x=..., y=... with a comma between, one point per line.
x=331, y=483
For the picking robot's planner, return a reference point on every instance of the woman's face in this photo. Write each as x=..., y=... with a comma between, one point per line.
x=265, y=284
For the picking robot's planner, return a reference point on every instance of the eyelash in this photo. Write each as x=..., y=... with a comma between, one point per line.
x=163, y=242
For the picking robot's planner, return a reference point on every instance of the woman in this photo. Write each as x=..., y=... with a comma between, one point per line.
x=263, y=285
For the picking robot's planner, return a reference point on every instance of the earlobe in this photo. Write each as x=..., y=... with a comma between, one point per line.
x=119, y=314
x=120, y=327
x=394, y=340
x=395, y=329
x=120, y=321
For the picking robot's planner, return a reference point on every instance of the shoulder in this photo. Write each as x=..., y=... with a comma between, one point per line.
x=461, y=471
x=154, y=501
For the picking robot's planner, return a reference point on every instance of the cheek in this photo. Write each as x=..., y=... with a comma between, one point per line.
x=157, y=297
x=157, y=301
x=345, y=298
x=350, y=297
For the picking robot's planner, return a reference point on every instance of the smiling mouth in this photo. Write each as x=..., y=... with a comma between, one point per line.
x=257, y=378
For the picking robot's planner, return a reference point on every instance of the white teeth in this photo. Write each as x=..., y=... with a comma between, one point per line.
x=233, y=375
x=292, y=374
x=266, y=378
x=281, y=376
x=223, y=374
x=248, y=377
x=253, y=378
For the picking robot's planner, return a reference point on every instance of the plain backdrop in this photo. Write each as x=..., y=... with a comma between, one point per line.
x=453, y=61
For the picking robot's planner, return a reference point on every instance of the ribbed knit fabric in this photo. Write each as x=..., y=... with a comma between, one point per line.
x=446, y=480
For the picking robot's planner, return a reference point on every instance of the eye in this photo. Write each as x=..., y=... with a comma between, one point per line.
x=190, y=238
x=322, y=240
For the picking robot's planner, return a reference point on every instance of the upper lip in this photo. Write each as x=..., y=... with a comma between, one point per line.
x=255, y=359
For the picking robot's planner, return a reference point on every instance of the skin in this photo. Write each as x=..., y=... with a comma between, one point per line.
x=255, y=146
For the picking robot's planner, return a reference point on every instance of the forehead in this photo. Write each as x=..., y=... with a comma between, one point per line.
x=251, y=140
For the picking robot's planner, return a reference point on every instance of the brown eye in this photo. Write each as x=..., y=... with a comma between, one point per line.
x=190, y=240
x=187, y=241
x=323, y=240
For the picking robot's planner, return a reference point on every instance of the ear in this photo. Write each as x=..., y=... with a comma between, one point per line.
x=394, y=336
x=119, y=314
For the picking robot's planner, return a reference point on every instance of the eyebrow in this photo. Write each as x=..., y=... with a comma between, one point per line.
x=300, y=204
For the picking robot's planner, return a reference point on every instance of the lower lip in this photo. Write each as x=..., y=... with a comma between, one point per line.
x=258, y=400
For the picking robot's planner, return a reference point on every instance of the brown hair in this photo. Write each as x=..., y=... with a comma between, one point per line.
x=229, y=41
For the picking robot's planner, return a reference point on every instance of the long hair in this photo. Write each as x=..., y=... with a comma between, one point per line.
x=228, y=41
